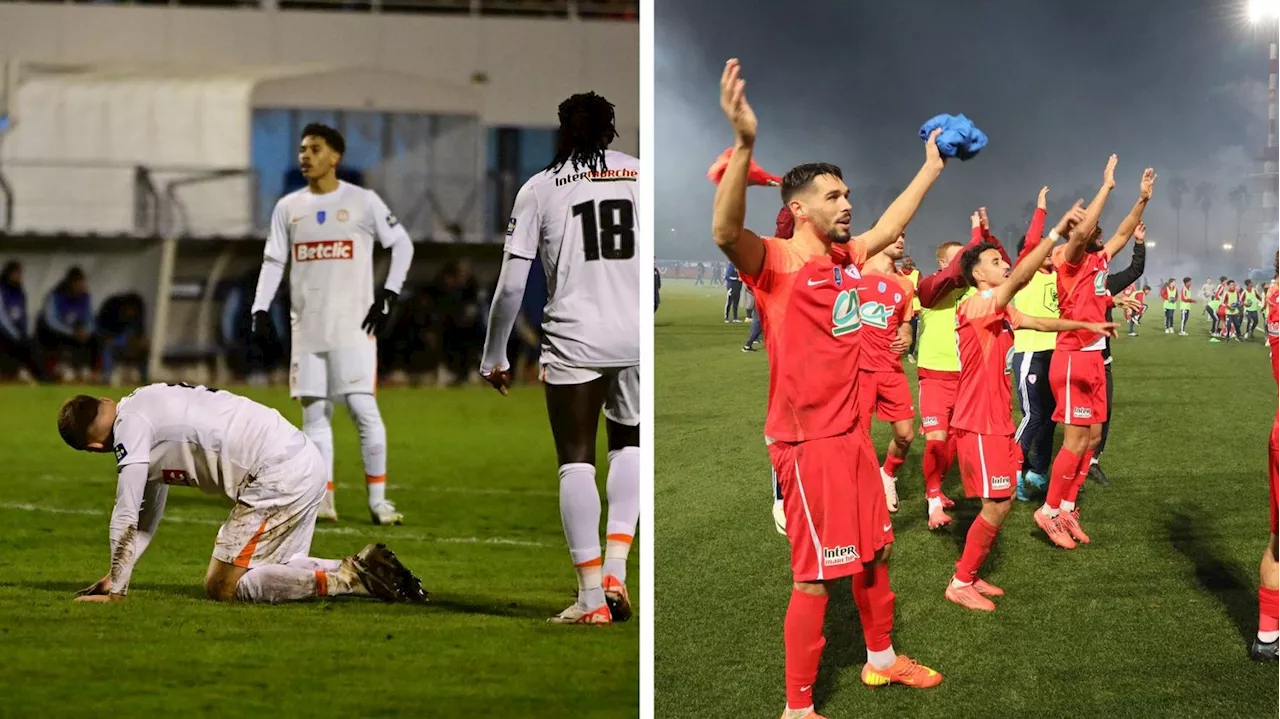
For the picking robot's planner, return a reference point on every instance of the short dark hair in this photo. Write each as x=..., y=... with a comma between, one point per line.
x=1186, y=279
x=331, y=137
x=801, y=176
x=969, y=260
x=74, y=419
x=1222, y=278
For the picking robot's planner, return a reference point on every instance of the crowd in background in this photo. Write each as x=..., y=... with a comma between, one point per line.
x=435, y=336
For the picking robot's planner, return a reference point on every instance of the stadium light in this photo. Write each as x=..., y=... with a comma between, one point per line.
x=1260, y=10
x=1151, y=244
x=1226, y=246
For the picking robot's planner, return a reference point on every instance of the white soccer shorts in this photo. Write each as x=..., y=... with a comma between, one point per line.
x=275, y=515
x=622, y=399
x=351, y=370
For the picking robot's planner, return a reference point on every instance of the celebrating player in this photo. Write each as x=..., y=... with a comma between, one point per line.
x=884, y=301
x=1265, y=644
x=328, y=229
x=221, y=443
x=837, y=520
x=1076, y=373
x=580, y=215
x=983, y=418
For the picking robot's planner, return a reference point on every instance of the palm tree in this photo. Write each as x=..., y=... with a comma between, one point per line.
x=1176, y=190
x=1239, y=199
x=1204, y=198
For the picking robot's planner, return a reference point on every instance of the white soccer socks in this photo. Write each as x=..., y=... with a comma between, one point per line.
x=373, y=444
x=580, y=515
x=317, y=415
x=623, y=492
x=280, y=583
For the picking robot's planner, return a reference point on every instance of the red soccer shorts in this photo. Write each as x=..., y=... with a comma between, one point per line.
x=835, y=506
x=886, y=395
x=1274, y=450
x=988, y=464
x=1079, y=382
x=937, y=399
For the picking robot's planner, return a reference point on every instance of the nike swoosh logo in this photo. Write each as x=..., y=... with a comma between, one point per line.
x=805, y=688
x=295, y=219
x=819, y=282
x=887, y=527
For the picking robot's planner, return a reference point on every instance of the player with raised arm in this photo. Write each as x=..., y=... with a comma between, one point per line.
x=1266, y=644
x=1077, y=372
x=982, y=422
x=223, y=444
x=580, y=215
x=837, y=520
x=327, y=229
x=884, y=301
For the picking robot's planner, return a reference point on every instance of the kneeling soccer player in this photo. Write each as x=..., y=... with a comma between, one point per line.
x=221, y=443
x=983, y=418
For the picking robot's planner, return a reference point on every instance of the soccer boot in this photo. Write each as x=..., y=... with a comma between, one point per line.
x=1053, y=527
x=1023, y=491
x=1070, y=521
x=579, y=614
x=890, y=491
x=385, y=513
x=1260, y=652
x=1097, y=475
x=987, y=589
x=806, y=714
x=969, y=597
x=616, y=598
x=904, y=671
x=385, y=577
x=328, y=511
x=938, y=518
x=947, y=502
x=779, y=517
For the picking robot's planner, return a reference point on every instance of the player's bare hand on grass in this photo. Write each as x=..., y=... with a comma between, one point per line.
x=100, y=598
x=733, y=100
x=500, y=379
x=1109, y=174
x=1147, y=184
x=1042, y=200
x=98, y=588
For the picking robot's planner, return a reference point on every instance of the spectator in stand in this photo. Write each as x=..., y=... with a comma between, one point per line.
x=252, y=360
x=18, y=353
x=462, y=329
x=65, y=327
x=122, y=336
x=411, y=350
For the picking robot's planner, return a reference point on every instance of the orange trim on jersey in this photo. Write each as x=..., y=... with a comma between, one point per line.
x=322, y=584
x=328, y=486
x=597, y=562
x=246, y=554
x=618, y=538
x=375, y=480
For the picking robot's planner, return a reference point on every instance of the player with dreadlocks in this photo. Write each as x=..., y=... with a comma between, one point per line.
x=580, y=216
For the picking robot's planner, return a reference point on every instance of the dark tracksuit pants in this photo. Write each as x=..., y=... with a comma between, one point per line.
x=732, y=293
x=1035, y=396
x=1111, y=410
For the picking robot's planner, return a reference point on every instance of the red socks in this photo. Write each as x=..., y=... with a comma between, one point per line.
x=1268, y=610
x=1061, y=476
x=982, y=534
x=802, y=634
x=875, y=602
x=935, y=466
x=1082, y=473
x=891, y=464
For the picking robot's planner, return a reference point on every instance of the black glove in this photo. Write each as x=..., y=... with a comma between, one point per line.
x=383, y=304
x=261, y=331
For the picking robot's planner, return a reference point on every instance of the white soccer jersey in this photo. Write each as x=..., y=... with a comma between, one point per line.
x=584, y=225
x=195, y=436
x=329, y=239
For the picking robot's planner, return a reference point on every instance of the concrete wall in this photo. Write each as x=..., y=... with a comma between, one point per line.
x=529, y=65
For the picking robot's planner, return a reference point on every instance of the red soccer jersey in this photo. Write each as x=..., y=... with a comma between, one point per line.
x=809, y=306
x=1082, y=296
x=884, y=301
x=1273, y=330
x=984, y=334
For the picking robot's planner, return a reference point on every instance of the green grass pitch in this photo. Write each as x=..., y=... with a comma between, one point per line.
x=1151, y=620
x=474, y=474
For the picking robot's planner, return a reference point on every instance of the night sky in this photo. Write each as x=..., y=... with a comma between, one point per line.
x=1178, y=85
